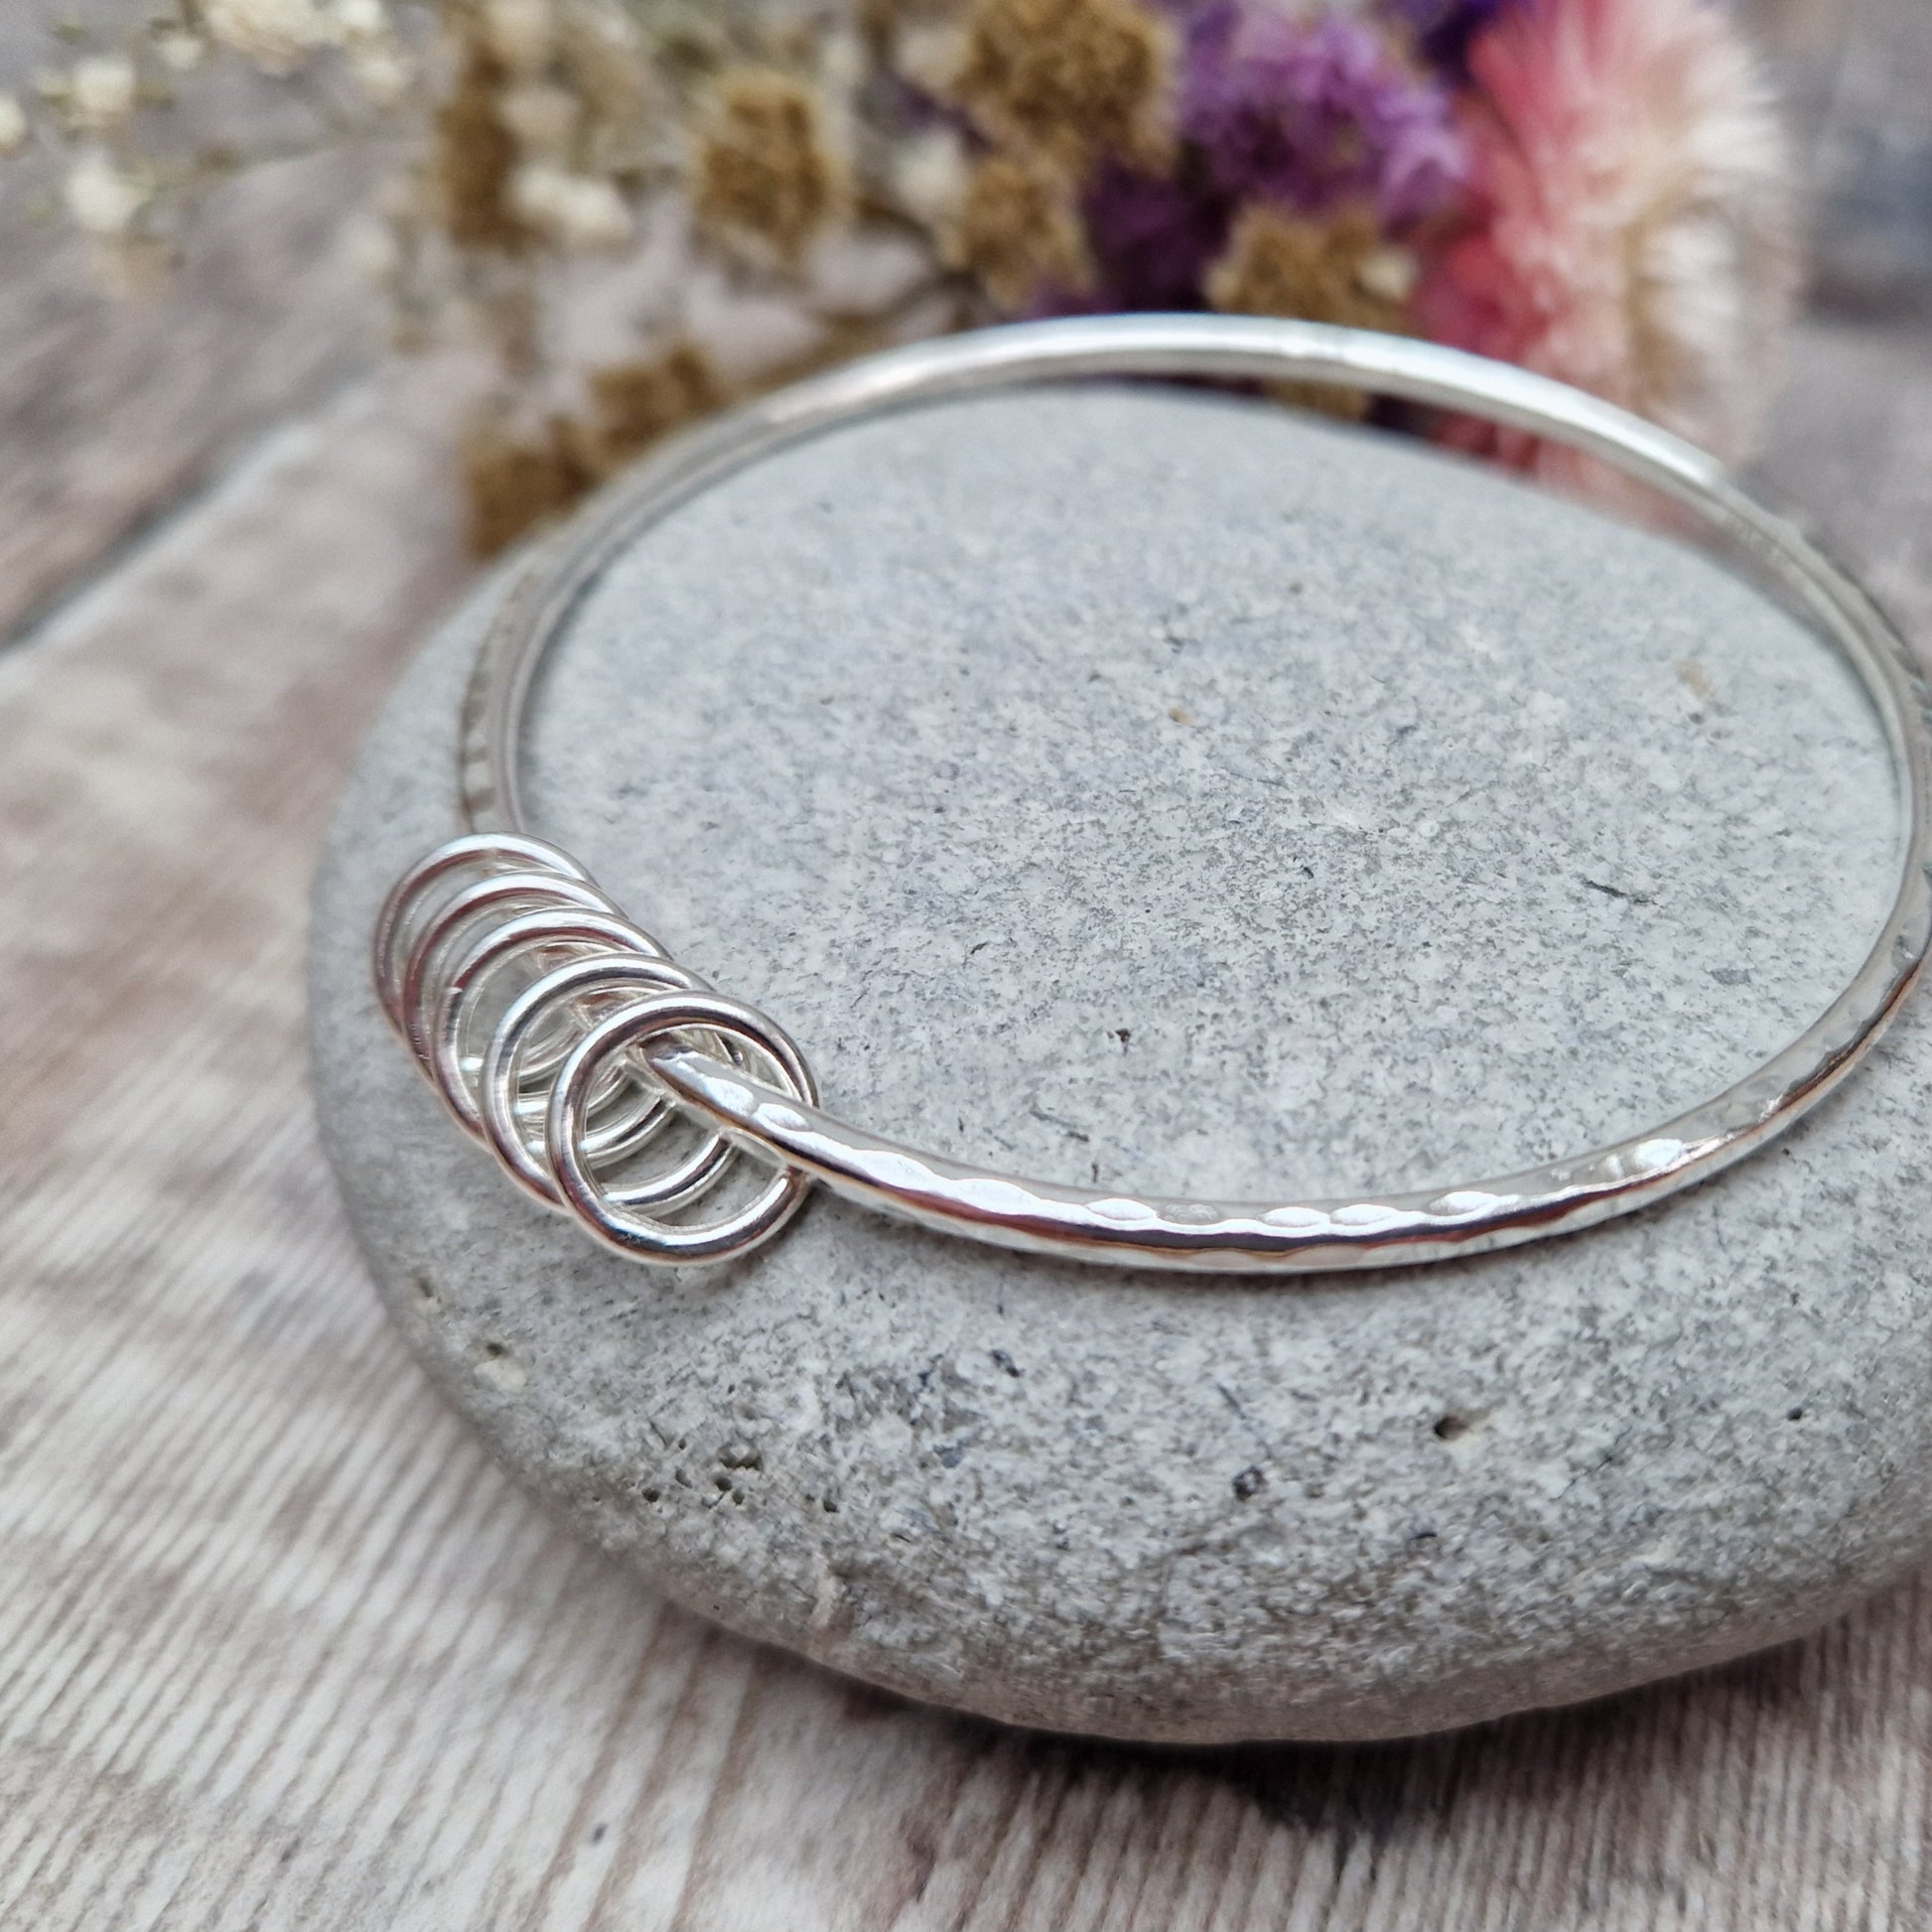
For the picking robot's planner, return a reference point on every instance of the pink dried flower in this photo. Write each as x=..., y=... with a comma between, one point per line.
x=1635, y=233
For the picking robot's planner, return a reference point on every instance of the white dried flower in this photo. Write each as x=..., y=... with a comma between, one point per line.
x=276, y=35
x=372, y=251
x=100, y=91
x=844, y=65
x=521, y=33
x=927, y=53
x=13, y=125
x=542, y=117
x=382, y=70
x=102, y=199
x=361, y=20
x=179, y=51
x=1389, y=272
x=929, y=174
x=575, y=210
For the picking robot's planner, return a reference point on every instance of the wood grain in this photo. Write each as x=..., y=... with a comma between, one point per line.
x=279, y=1647
x=113, y=409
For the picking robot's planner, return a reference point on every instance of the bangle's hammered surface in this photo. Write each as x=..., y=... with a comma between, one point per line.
x=615, y=1086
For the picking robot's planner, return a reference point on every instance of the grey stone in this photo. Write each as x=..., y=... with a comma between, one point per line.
x=1161, y=788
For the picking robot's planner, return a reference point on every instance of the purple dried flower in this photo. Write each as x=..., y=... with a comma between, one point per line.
x=1153, y=238
x=1309, y=113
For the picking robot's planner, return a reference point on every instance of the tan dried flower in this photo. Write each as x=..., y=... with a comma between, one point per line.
x=764, y=169
x=512, y=483
x=474, y=160
x=14, y=127
x=1073, y=79
x=638, y=402
x=1018, y=233
x=1337, y=268
x=519, y=33
x=602, y=60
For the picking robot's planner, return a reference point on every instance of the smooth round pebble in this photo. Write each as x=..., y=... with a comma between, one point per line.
x=1131, y=785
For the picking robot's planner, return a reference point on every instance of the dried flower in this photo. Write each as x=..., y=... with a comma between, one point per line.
x=928, y=176
x=359, y=20
x=512, y=483
x=1076, y=80
x=382, y=70
x=100, y=91
x=1312, y=113
x=276, y=35
x=520, y=35
x=1303, y=114
x=636, y=403
x=13, y=125
x=1635, y=233
x=763, y=170
x=926, y=54
x=1151, y=237
x=542, y=118
x=1594, y=186
x=574, y=211
x=1334, y=268
x=1019, y=234
x=601, y=58
x=179, y=51
x=101, y=199
x=474, y=159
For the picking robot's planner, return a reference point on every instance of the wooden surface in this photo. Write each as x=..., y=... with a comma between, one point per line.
x=280, y=1648
x=111, y=412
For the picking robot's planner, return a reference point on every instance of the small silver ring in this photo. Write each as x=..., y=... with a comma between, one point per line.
x=652, y=1237
x=475, y=852
x=579, y=981
x=597, y=935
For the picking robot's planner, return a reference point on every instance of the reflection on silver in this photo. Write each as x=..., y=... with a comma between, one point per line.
x=610, y=1083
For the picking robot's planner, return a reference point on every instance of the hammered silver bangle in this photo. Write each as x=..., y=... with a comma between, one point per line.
x=679, y=1125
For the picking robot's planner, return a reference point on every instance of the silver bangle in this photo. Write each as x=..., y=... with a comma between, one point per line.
x=617, y=1087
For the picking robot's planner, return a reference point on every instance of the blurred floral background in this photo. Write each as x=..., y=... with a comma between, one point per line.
x=634, y=211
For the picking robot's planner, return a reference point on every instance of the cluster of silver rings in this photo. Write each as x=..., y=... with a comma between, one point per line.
x=535, y=1009
x=610, y=1083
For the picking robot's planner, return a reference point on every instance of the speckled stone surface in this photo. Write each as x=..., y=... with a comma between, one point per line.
x=1164, y=790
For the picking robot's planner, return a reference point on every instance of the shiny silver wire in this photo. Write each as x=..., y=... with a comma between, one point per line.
x=611, y=1045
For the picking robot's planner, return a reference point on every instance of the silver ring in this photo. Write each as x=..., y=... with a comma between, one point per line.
x=654, y=1236
x=582, y=984
x=786, y=1131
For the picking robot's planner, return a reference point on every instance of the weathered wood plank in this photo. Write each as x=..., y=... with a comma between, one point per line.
x=114, y=408
x=279, y=1647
